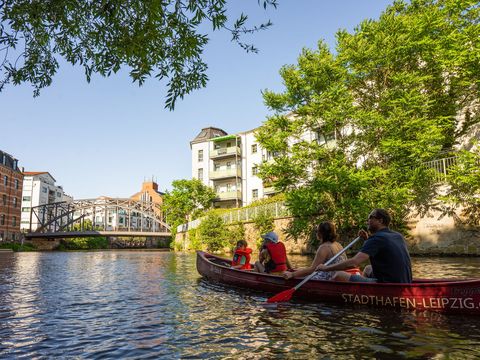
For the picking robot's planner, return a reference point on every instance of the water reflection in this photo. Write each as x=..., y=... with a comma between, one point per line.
x=155, y=305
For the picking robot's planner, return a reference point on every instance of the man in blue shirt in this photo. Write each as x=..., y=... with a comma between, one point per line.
x=386, y=250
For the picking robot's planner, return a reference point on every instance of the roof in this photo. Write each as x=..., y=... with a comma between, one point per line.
x=207, y=134
x=35, y=173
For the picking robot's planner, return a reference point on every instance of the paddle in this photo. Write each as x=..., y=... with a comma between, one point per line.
x=287, y=294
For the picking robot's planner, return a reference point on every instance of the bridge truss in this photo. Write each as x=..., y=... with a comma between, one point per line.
x=102, y=214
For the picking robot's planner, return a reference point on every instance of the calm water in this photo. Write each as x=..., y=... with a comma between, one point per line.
x=155, y=305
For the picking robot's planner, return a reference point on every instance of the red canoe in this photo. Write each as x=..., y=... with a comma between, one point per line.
x=446, y=296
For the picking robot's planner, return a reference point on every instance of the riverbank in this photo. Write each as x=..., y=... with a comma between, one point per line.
x=17, y=247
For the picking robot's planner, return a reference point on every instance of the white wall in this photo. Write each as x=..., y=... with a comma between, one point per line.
x=205, y=164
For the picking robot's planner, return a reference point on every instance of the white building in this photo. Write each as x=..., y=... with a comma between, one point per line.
x=39, y=189
x=229, y=164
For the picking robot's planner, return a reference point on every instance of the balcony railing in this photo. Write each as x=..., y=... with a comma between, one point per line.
x=229, y=195
x=223, y=174
x=225, y=152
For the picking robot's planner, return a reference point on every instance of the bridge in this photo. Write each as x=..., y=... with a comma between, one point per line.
x=113, y=217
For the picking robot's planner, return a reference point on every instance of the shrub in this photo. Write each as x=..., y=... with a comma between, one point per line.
x=84, y=243
x=236, y=232
x=212, y=233
x=18, y=246
x=195, y=242
x=263, y=222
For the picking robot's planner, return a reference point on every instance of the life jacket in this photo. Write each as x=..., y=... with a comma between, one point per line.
x=237, y=258
x=278, y=257
x=353, y=271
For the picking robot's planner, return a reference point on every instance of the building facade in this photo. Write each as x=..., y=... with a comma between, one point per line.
x=11, y=180
x=230, y=163
x=116, y=218
x=38, y=189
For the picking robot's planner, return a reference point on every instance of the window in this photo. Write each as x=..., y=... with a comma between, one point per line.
x=255, y=193
x=200, y=174
x=254, y=148
x=217, y=167
x=4, y=199
x=254, y=170
x=26, y=198
x=229, y=187
x=5, y=180
x=14, y=221
x=229, y=165
x=200, y=155
x=25, y=209
x=16, y=184
x=14, y=202
x=59, y=194
x=2, y=219
x=216, y=146
x=229, y=144
x=44, y=189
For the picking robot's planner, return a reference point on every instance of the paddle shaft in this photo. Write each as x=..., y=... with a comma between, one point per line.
x=328, y=262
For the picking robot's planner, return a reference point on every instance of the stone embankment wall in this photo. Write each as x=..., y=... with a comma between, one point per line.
x=436, y=235
x=428, y=235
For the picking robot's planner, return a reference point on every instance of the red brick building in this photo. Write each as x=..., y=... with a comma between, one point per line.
x=11, y=182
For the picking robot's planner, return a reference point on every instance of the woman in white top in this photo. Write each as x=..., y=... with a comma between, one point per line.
x=329, y=247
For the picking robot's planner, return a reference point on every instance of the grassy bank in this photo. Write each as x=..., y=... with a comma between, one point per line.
x=84, y=243
x=18, y=246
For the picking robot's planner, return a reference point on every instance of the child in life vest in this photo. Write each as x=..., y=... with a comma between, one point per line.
x=241, y=257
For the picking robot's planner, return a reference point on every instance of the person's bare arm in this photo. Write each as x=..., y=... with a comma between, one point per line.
x=352, y=262
x=320, y=258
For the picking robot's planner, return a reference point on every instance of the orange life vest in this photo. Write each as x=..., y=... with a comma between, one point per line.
x=237, y=258
x=278, y=257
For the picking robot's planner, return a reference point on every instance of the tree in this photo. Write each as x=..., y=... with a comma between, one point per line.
x=187, y=199
x=397, y=92
x=464, y=181
x=159, y=38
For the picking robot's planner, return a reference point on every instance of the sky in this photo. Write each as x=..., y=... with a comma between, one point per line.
x=106, y=137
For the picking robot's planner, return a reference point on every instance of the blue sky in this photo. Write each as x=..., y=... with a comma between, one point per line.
x=106, y=137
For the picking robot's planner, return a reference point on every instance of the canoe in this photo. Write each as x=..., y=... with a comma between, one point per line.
x=452, y=296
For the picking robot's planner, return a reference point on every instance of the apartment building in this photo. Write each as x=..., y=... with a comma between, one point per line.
x=39, y=188
x=11, y=179
x=229, y=164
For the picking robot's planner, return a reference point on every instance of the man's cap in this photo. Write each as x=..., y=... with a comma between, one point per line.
x=271, y=236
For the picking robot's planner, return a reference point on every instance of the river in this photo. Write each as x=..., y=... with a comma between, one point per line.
x=154, y=305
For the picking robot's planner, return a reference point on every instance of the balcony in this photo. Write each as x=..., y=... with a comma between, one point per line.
x=225, y=174
x=229, y=195
x=225, y=152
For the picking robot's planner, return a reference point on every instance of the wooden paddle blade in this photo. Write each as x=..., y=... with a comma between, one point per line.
x=282, y=297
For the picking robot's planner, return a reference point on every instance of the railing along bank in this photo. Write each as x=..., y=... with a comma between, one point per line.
x=275, y=210
x=442, y=167
x=279, y=209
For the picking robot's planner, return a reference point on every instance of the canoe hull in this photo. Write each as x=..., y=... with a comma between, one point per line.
x=446, y=296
